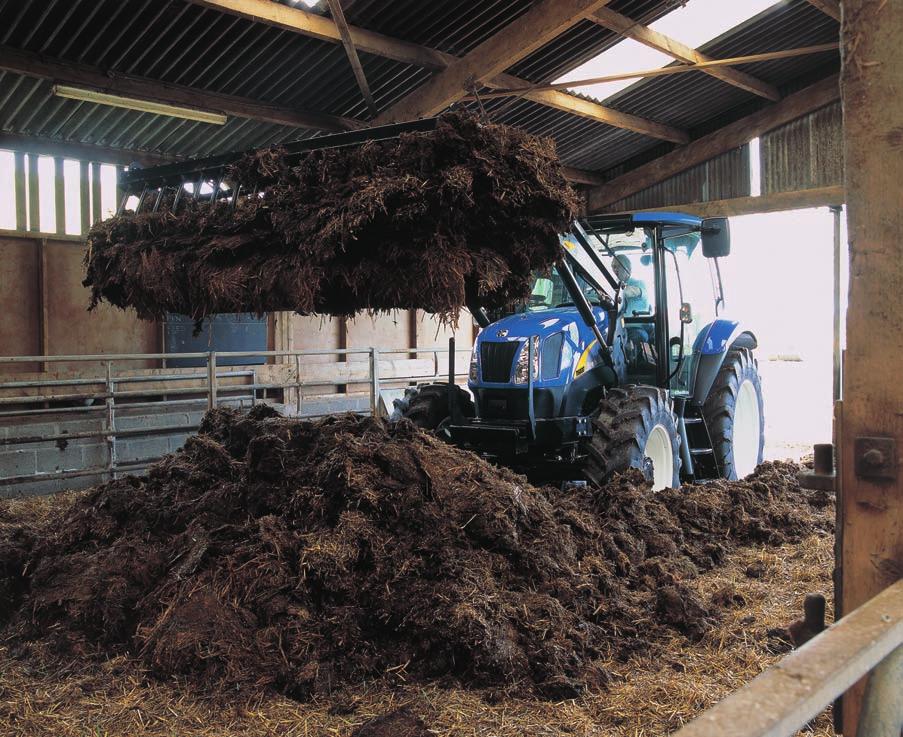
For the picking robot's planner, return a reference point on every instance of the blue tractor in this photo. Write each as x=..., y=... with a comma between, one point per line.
x=620, y=358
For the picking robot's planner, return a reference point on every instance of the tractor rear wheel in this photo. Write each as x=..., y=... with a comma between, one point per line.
x=634, y=427
x=427, y=405
x=735, y=415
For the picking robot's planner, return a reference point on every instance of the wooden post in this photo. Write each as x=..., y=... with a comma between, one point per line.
x=43, y=317
x=59, y=199
x=343, y=344
x=871, y=483
x=96, y=212
x=34, y=205
x=412, y=333
x=84, y=196
x=19, y=186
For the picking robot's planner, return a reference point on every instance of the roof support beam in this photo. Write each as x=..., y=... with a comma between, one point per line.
x=338, y=15
x=543, y=22
x=80, y=151
x=828, y=7
x=724, y=139
x=80, y=75
x=581, y=176
x=797, y=199
x=676, y=50
x=662, y=71
x=601, y=114
x=315, y=26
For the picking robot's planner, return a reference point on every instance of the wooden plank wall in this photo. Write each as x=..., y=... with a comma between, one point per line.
x=44, y=307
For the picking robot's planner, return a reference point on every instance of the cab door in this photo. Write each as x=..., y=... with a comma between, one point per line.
x=690, y=306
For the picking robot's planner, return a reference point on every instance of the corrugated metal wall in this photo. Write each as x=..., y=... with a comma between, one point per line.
x=805, y=153
x=720, y=178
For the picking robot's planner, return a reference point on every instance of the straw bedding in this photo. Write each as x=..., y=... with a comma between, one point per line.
x=430, y=221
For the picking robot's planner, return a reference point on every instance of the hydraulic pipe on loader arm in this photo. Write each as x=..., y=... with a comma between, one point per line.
x=584, y=308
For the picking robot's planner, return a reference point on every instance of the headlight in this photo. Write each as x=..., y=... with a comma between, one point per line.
x=474, y=364
x=520, y=373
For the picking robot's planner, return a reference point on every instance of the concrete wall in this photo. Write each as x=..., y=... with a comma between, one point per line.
x=80, y=454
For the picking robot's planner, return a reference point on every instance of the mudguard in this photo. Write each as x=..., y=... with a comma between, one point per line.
x=710, y=349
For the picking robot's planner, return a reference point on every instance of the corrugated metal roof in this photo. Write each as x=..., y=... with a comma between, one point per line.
x=180, y=42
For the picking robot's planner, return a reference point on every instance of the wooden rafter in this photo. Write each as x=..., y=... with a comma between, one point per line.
x=797, y=199
x=724, y=139
x=81, y=75
x=828, y=7
x=80, y=151
x=581, y=176
x=601, y=114
x=543, y=22
x=662, y=71
x=676, y=50
x=315, y=26
x=338, y=15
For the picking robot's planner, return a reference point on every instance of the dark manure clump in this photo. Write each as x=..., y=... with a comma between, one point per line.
x=427, y=221
x=305, y=556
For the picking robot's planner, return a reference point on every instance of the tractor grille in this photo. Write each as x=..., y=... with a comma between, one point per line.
x=496, y=360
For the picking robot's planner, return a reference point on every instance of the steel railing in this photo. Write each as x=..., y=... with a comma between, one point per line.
x=209, y=385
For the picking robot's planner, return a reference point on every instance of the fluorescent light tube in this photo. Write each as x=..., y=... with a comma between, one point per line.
x=144, y=106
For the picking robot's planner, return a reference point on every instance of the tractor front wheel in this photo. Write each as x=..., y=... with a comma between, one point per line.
x=634, y=427
x=427, y=405
x=734, y=414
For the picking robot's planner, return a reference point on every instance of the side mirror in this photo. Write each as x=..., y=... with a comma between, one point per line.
x=716, y=237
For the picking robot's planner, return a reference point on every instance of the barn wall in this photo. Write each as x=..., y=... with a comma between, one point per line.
x=70, y=328
x=20, y=323
x=721, y=178
x=805, y=153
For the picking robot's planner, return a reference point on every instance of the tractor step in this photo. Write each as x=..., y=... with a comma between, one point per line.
x=705, y=467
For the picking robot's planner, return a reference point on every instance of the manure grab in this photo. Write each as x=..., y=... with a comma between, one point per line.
x=463, y=214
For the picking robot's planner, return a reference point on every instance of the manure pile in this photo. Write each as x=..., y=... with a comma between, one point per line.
x=426, y=221
x=304, y=556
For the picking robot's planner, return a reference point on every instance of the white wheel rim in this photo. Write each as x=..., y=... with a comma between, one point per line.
x=746, y=430
x=658, y=450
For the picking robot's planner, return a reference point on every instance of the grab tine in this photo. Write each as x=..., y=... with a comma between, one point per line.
x=178, y=196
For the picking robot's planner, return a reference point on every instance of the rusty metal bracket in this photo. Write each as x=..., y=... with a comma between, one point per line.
x=876, y=458
x=822, y=477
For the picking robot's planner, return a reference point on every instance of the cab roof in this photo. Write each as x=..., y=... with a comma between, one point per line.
x=628, y=221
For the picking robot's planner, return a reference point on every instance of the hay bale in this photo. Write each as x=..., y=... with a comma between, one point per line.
x=426, y=221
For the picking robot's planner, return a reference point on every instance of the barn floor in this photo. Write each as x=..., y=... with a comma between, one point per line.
x=761, y=588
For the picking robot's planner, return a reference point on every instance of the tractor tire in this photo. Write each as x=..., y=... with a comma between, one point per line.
x=734, y=414
x=427, y=405
x=633, y=427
